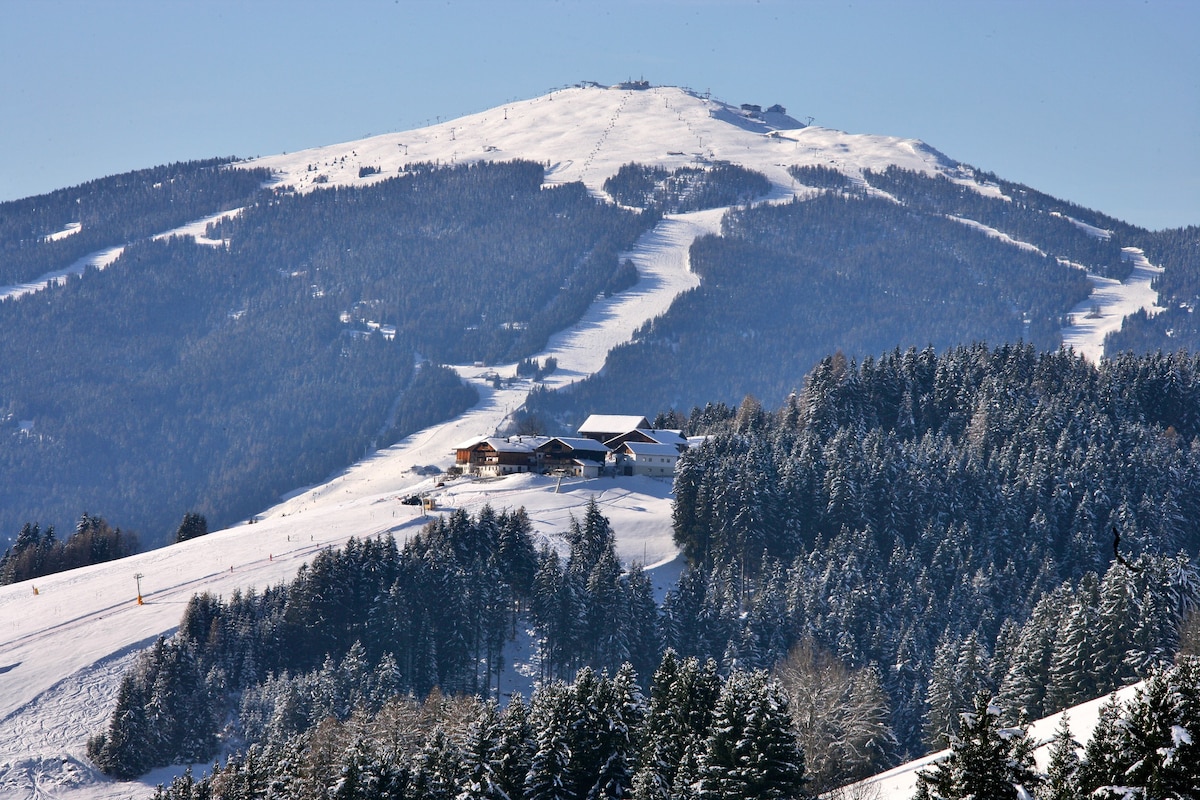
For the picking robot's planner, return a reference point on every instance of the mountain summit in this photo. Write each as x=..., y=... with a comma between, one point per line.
x=587, y=133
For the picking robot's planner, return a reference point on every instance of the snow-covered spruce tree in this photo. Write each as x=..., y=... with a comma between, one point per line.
x=602, y=768
x=1102, y=754
x=985, y=760
x=679, y=714
x=751, y=753
x=122, y=752
x=642, y=635
x=515, y=750
x=1155, y=747
x=1024, y=687
x=960, y=670
x=552, y=711
x=482, y=758
x=1073, y=660
x=605, y=614
x=440, y=771
x=1062, y=771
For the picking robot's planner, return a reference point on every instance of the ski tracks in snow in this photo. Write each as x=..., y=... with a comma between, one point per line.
x=1105, y=309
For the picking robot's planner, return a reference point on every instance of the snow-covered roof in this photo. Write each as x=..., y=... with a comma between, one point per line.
x=650, y=449
x=664, y=435
x=579, y=443
x=511, y=444
x=469, y=443
x=612, y=423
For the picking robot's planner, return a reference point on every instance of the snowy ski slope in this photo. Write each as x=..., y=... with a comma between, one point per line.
x=63, y=647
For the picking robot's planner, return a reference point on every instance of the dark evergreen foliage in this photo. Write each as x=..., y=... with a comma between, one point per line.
x=36, y=553
x=785, y=285
x=823, y=177
x=922, y=501
x=687, y=188
x=985, y=760
x=1177, y=251
x=115, y=211
x=583, y=740
x=1054, y=226
x=192, y=526
x=940, y=522
x=1149, y=746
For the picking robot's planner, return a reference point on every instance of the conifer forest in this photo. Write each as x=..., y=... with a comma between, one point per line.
x=996, y=531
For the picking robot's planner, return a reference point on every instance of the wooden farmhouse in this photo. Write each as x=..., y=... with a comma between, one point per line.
x=607, y=445
x=582, y=457
x=494, y=456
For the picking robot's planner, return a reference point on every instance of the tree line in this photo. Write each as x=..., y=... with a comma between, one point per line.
x=115, y=211
x=36, y=553
x=785, y=285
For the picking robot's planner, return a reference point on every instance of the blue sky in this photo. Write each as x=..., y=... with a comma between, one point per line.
x=1097, y=102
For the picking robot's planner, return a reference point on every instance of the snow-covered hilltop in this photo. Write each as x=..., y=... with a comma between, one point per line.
x=587, y=133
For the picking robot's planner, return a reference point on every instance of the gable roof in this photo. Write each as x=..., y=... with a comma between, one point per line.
x=650, y=449
x=612, y=423
x=663, y=435
x=514, y=444
x=577, y=443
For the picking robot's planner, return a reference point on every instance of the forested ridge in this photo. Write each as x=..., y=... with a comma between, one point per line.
x=851, y=271
x=187, y=377
x=784, y=285
x=115, y=211
x=918, y=529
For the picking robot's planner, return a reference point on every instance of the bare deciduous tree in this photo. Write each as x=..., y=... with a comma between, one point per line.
x=841, y=715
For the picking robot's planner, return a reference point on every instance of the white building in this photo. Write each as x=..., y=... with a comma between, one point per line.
x=647, y=458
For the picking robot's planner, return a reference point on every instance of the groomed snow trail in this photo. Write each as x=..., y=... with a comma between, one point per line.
x=1110, y=302
x=65, y=647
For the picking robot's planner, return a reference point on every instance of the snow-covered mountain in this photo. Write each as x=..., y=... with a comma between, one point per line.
x=64, y=639
x=587, y=133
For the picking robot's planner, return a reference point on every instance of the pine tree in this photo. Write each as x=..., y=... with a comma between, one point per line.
x=1103, y=755
x=985, y=760
x=123, y=751
x=1062, y=771
x=480, y=750
x=1073, y=660
x=618, y=718
x=752, y=753
x=642, y=629
x=440, y=769
x=606, y=613
x=1160, y=737
x=192, y=526
x=514, y=752
x=552, y=713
